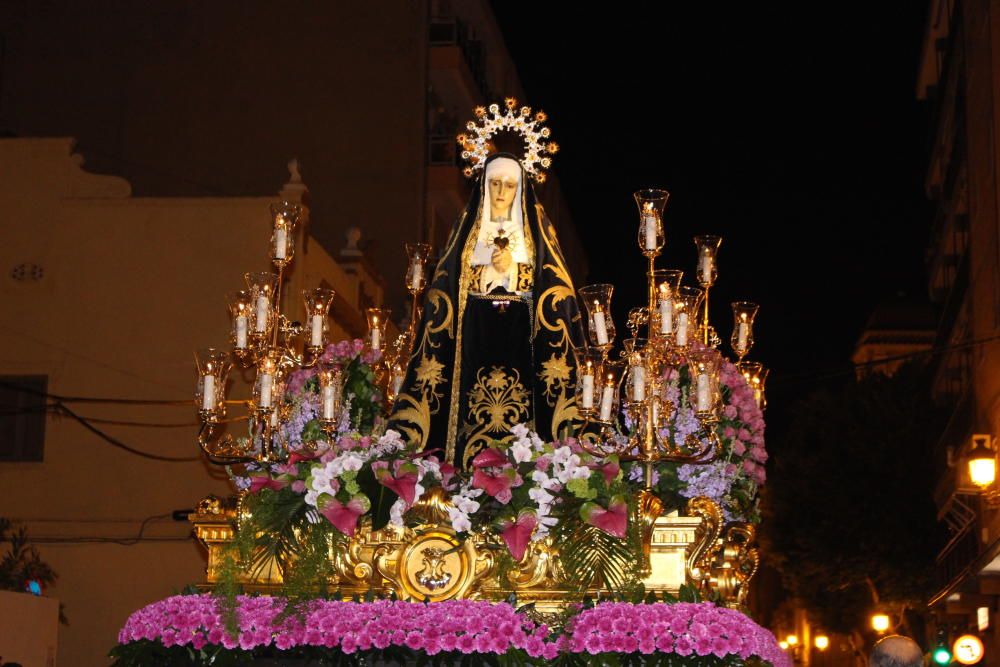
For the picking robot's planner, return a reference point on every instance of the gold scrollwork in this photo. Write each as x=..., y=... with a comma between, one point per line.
x=497, y=402
x=706, y=545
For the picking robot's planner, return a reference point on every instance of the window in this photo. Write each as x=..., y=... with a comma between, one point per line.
x=22, y=417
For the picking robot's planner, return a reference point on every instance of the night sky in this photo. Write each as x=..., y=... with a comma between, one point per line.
x=793, y=134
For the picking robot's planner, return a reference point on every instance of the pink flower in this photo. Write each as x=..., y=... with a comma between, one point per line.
x=264, y=481
x=612, y=520
x=344, y=517
x=516, y=534
x=403, y=483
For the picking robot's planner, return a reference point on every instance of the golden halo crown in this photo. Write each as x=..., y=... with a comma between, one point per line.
x=490, y=120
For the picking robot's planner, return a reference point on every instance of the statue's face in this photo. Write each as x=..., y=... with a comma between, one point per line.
x=502, y=190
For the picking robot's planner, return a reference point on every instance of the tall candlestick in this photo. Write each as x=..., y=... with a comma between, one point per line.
x=638, y=383
x=329, y=395
x=417, y=279
x=649, y=221
x=600, y=327
x=607, y=401
x=682, y=329
x=280, y=242
x=208, y=392
x=704, y=402
x=706, y=267
x=316, y=339
x=266, y=380
x=241, y=332
x=666, y=315
x=263, y=306
x=587, y=400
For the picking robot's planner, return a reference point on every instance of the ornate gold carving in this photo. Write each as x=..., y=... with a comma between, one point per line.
x=707, y=545
x=429, y=561
x=525, y=277
x=649, y=509
x=497, y=402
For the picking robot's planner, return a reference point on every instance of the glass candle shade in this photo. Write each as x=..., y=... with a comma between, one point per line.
x=756, y=376
x=704, y=366
x=268, y=388
x=686, y=304
x=589, y=369
x=651, y=203
x=708, y=250
x=377, y=320
x=262, y=286
x=744, y=313
x=597, y=303
x=331, y=387
x=611, y=376
x=317, y=302
x=213, y=371
x=285, y=218
x=667, y=282
x=637, y=375
x=397, y=375
x=416, y=270
x=241, y=310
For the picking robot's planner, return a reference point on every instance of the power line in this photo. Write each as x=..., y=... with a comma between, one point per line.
x=115, y=442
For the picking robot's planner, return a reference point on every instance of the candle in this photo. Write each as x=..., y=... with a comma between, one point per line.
x=397, y=382
x=208, y=392
x=758, y=396
x=280, y=241
x=376, y=338
x=682, y=329
x=316, y=340
x=587, y=400
x=607, y=400
x=329, y=394
x=666, y=315
x=649, y=223
x=241, y=332
x=743, y=334
x=706, y=268
x=638, y=383
x=265, y=390
x=263, y=307
x=600, y=326
x=704, y=402
x=418, y=275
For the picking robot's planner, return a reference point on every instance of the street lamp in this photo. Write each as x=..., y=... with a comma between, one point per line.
x=792, y=640
x=880, y=622
x=982, y=461
x=822, y=642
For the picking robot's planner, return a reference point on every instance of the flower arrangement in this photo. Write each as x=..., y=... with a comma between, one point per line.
x=524, y=491
x=191, y=630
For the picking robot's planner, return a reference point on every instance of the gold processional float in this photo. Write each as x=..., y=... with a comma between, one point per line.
x=620, y=399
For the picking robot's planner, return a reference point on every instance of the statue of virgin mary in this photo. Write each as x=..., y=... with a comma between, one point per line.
x=494, y=345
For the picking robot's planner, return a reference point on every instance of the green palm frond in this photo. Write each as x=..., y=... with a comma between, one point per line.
x=591, y=556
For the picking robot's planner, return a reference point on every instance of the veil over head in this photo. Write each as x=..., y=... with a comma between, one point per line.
x=468, y=345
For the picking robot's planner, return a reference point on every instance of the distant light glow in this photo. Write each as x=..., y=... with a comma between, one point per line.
x=983, y=618
x=880, y=622
x=822, y=642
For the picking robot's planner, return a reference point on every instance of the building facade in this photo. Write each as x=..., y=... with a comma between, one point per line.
x=105, y=299
x=959, y=78
x=211, y=99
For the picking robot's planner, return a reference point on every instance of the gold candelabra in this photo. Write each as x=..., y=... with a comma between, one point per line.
x=625, y=398
x=272, y=346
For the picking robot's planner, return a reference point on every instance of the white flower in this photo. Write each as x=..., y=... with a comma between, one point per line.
x=459, y=520
x=312, y=497
x=396, y=512
x=541, y=496
x=539, y=477
x=352, y=462
x=391, y=440
x=561, y=455
x=580, y=472
x=521, y=451
x=520, y=431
